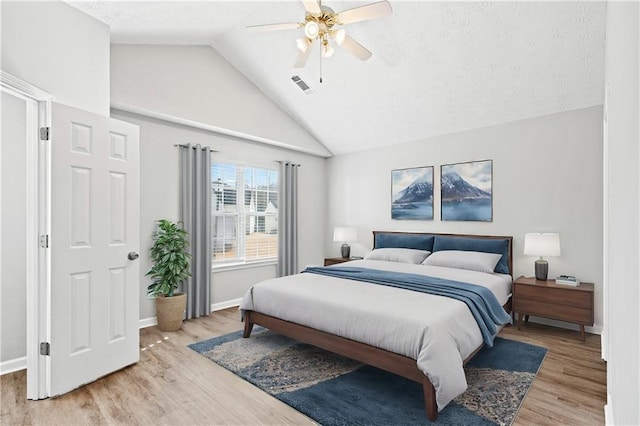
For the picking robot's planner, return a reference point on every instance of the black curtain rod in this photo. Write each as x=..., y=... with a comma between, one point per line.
x=289, y=162
x=192, y=146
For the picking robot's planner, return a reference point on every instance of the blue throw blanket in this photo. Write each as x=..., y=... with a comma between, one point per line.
x=482, y=303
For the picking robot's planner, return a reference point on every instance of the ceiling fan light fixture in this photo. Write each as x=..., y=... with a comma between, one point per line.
x=327, y=50
x=321, y=23
x=311, y=29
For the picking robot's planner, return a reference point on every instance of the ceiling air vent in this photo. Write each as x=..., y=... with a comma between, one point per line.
x=302, y=85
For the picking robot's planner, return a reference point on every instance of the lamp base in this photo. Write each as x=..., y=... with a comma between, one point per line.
x=346, y=250
x=542, y=269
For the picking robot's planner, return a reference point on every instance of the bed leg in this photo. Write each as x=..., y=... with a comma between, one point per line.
x=248, y=325
x=430, y=400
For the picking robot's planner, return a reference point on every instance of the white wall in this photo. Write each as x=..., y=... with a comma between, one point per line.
x=59, y=49
x=547, y=177
x=159, y=173
x=14, y=227
x=196, y=83
x=622, y=227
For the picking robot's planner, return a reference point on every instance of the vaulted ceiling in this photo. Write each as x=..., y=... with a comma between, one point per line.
x=437, y=67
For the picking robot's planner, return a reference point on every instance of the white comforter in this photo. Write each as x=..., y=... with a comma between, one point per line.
x=438, y=332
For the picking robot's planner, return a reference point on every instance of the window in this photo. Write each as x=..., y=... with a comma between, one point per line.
x=244, y=213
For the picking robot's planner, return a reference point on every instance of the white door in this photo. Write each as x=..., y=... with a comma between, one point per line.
x=95, y=216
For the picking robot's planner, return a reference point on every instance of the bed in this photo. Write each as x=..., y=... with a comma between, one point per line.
x=424, y=337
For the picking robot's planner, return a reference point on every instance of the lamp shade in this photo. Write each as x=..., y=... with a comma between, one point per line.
x=547, y=244
x=344, y=234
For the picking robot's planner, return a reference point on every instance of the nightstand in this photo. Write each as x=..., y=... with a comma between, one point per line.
x=554, y=301
x=328, y=261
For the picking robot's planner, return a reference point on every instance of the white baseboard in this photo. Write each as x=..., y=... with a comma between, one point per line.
x=608, y=412
x=225, y=305
x=150, y=322
x=13, y=365
x=596, y=329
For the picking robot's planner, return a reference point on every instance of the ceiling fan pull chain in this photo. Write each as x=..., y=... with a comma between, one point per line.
x=321, y=62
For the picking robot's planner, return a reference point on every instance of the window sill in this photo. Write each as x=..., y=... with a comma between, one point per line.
x=242, y=265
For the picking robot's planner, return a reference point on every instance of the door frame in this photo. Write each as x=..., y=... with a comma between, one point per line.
x=38, y=208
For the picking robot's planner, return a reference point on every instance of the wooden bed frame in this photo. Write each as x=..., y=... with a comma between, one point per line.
x=376, y=357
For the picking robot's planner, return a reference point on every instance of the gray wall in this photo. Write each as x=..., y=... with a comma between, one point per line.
x=13, y=248
x=65, y=52
x=159, y=197
x=622, y=225
x=59, y=49
x=547, y=177
x=196, y=83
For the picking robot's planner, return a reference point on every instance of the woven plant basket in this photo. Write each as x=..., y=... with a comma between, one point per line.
x=170, y=311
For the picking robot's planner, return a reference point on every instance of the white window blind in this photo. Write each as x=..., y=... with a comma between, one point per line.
x=244, y=213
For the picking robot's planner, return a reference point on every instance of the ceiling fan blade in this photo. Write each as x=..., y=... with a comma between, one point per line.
x=302, y=58
x=356, y=49
x=274, y=27
x=312, y=7
x=364, y=13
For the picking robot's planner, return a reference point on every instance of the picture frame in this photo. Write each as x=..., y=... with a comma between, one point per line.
x=466, y=191
x=412, y=193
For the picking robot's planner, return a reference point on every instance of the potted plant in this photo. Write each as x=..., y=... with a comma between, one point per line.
x=170, y=258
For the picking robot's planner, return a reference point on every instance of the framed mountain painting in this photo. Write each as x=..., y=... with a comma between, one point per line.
x=412, y=193
x=466, y=191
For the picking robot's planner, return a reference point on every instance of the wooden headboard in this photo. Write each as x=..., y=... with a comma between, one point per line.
x=418, y=235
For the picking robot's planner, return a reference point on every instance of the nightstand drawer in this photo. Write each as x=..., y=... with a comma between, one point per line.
x=555, y=296
x=553, y=311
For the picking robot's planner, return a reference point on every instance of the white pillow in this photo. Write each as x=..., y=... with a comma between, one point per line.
x=401, y=255
x=470, y=260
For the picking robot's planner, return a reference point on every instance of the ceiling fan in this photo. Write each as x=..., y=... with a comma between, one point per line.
x=321, y=22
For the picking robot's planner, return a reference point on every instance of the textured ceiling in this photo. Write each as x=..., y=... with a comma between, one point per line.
x=437, y=67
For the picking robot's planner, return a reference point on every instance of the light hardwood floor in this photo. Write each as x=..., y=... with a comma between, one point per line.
x=173, y=384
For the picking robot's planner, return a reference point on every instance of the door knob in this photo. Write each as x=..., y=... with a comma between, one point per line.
x=133, y=255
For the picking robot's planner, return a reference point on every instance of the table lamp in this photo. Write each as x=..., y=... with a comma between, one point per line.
x=547, y=244
x=345, y=234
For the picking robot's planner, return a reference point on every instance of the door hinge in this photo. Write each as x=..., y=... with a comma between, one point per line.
x=45, y=348
x=44, y=133
x=44, y=241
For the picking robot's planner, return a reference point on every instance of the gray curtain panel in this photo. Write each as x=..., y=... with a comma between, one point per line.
x=195, y=213
x=288, y=220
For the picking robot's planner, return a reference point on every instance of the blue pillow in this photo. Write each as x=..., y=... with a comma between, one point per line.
x=472, y=244
x=416, y=242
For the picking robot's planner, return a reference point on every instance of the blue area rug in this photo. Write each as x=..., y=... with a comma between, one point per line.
x=334, y=390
